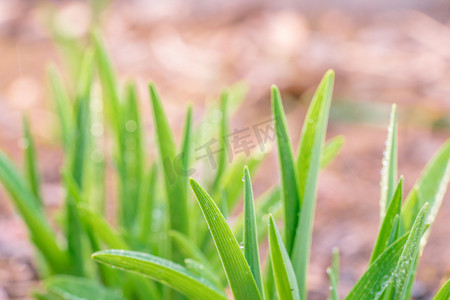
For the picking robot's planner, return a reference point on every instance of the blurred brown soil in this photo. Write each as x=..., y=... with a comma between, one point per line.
x=401, y=57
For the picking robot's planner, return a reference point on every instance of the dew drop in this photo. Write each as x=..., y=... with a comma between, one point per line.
x=97, y=129
x=131, y=125
x=23, y=143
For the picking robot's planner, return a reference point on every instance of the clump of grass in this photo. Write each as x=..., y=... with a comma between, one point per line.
x=403, y=232
x=155, y=212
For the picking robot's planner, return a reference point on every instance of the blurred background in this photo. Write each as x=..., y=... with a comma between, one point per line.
x=383, y=53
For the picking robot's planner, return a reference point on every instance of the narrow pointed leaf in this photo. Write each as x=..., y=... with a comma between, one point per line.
x=31, y=168
x=389, y=170
x=186, y=150
x=174, y=182
x=291, y=200
x=41, y=233
x=164, y=271
x=76, y=288
x=77, y=165
x=283, y=272
x=84, y=83
x=109, y=87
x=444, y=292
x=269, y=280
x=333, y=274
x=251, y=251
x=395, y=230
x=223, y=131
x=147, y=205
x=406, y=263
x=379, y=274
x=308, y=166
x=238, y=271
x=63, y=106
x=388, y=224
x=131, y=165
x=264, y=205
x=430, y=187
x=398, y=257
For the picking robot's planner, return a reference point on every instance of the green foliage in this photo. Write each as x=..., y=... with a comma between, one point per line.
x=388, y=227
x=283, y=271
x=444, y=292
x=176, y=192
x=389, y=170
x=199, y=258
x=333, y=274
x=238, y=271
x=251, y=250
x=167, y=272
x=74, y=288
x=291, y=198
x=308, y=166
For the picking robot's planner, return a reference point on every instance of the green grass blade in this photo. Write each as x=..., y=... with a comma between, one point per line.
x=238, y=271
x=408, y=257
x=251, y=251
x=264, y=205
x=101, y=228
x=164, y=271
x=308, y=166
x=389, y=170
x=397, y=258
x=444, y=292
x=186, y=146
x=80, y=141
x=333, y=273
x=146, y=206
x=189, y=249
x=182, y=167
x=174, y=182
x=379, y=274
x=131, y=165
x=41, y=233
x=388, y=224
x=77, y=166
x=31, y=167
x=283, y=272
x=63, y=106
x=291, y=199
x=430, y=187
x=76, y=288
x=330, y=150
x=78, y=203
x=85, y=77
x=269, y=280
x=223, y=132
x=395, y=230
x=109, y=87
